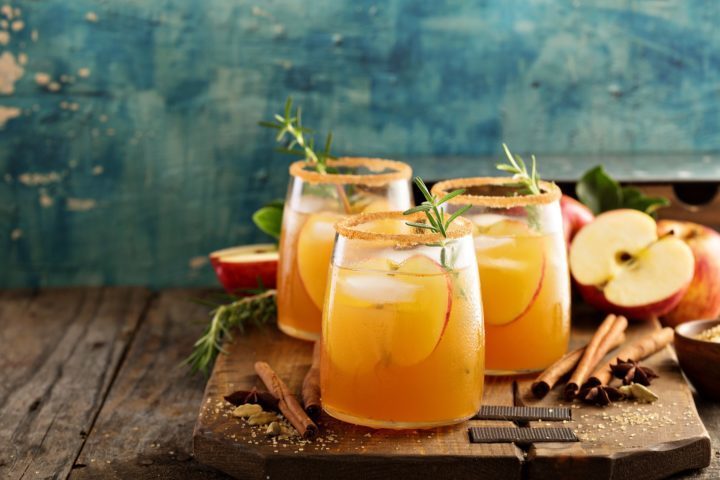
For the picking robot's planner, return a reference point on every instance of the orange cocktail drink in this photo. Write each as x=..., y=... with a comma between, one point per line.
x=522, y=261
x=403, y=340
x=315, y=202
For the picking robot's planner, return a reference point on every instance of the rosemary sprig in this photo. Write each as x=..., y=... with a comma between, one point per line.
x=257, y=309
x=527, y=181
x=298, y=140
x=435, y=213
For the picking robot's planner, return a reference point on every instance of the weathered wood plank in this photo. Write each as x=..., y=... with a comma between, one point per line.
x=144, y=429
x=359, y=453
x=60, y=352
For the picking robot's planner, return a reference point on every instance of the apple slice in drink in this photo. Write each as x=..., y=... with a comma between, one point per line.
x=621, y=266
x=421, y=322
x=240, y=268
x=314, y=251
x=512, y=258
x=392, y=312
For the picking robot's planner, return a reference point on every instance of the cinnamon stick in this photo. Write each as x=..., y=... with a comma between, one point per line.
x=287, y=402
x=643, y=348
x=600, y=344
x=311, y=385
x=547, y=380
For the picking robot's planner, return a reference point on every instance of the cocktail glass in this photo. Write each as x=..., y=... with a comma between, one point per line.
x=314, y=203
x=403, y=340
x=522, y=260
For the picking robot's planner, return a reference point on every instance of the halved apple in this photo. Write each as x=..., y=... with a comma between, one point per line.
x=621, y=266
x=240, y=268
x=314, y=252
x=511, y=258
x=404, y=307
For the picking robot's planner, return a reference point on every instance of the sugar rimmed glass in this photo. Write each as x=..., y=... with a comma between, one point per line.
x=314, y=203
x=403, y=339
x=522, y=260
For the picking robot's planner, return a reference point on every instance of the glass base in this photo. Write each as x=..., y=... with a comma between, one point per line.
x=368, y=422
x=300, y=334
x=506, y=373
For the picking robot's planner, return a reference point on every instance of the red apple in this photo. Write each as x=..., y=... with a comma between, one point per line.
x=702, y=299
x=575, y=216
x=621, y=266
x=245, y=267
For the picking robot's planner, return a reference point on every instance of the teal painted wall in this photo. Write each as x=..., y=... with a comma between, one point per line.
x=129, y=146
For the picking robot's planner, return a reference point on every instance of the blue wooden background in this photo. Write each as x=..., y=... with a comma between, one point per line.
x=128, y=138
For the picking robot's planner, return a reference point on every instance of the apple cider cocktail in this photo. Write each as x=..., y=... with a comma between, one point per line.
x=403, y=338
x=522, y=260
x=314, y=203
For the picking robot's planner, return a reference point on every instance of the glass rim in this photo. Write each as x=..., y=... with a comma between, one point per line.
x=550, y=193
x=400, y=171
x=347, y=227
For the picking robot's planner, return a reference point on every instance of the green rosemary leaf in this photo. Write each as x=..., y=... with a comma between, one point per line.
x=328, y=142
x=423, y=189
x=289, y=151
x=421, y=225
x=265, y=124
x=506, y=168
x=290, y=126
x=451, y=195
x=288, y=107
x=456, y=214
x=435, y=215
x=261, y=308
x=420, y=208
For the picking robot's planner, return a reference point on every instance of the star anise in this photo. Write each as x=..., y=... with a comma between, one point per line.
x=600, y=395
x=266, y=400
x=631, y=372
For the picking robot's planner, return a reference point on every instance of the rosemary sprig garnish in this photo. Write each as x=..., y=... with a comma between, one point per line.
x=435, y=213
x=300, y=142
x=257, y=309
x=527, y=181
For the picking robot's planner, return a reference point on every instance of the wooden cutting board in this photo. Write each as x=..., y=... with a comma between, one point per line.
x=621, y=441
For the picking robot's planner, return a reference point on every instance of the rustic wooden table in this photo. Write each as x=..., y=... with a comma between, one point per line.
x=91, y=385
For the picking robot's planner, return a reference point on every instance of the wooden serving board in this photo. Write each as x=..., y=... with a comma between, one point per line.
x=621, y=441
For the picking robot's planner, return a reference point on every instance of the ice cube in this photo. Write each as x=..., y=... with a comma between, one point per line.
x=323, y=229
x=485, y=242
x=378, y=289
x=486, y=219
x=501, y=263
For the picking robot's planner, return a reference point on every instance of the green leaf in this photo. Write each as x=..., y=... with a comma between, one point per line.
x=420, y=208
x=457, y=214
x=599, y=191
x=288, y=107
x=265, y=124
x=269, y=220
x=451, y=195
x=423, y=189
x=635, y=199
x=506, y=168
x=420, y=225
